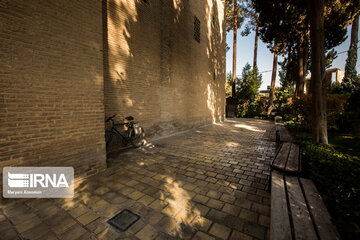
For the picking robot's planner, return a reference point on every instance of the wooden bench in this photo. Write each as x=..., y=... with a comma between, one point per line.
x=287, y=159
x=282, y=134
x=297, y=210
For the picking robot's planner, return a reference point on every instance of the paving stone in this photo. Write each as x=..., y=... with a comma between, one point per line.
x=73, y=233
x=135, y=195
x=136, y=227
x=100, y=205
x=220, y=231
x=248, y=215
x=110, y=195
x=231, y=209
x=202, y=236
x=17, y=209
x=264, y=221
x=28, y=224
x=227, y=198
x=126, y=190
x=101, y=190
x=213, y=203
x=201, y=199
x=170, y=210
x=116, y=186
x=213, y=194
x=7, y=231
x=202, y=223
x=87, y=218
x=108, y=234
x=243, y=203
x=216, y=215
x=118, y=200
x=202, y=209
x=78, y=211
x=155, y=217
x=36, y=232
x=255, y=230
x=236, y=235
x=49, y=211
x=157, y=205
x=146, y=200
x=169, y=226
x=49, y=236
x=66, y=223
x=260, y=208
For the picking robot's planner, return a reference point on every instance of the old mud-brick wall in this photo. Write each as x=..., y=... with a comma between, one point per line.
x=157, y=71
x=67, y=65
x=51, y=85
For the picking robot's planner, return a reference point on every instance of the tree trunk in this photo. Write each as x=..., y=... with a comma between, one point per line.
x=319, y=116
x=306, y=62
x=234, y=51
x=256, y=45
x=301, y=77
x=272, y=88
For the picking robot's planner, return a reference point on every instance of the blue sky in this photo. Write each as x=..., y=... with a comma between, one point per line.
x=245, y=52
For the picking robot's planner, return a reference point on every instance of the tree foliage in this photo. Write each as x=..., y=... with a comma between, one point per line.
x=229, y=14
x=249, y=84
x=290, y=29
x=228, y=84
x=351, y=81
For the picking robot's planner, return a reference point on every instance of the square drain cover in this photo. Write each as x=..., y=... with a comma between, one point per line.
x=123, y=220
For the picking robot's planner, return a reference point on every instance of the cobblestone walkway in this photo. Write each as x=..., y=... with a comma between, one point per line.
x=209, y=183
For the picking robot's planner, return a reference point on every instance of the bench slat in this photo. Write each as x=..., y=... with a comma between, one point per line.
x=280, y=223
x=281, y=158
x=303, y=227
x=293, y=160
x=284, y=134
x=319, y=212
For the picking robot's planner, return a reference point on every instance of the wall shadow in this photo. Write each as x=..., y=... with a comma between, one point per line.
x=154, y=69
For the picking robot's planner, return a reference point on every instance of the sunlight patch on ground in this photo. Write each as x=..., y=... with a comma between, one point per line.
x=247, y=127
x=180, y=207
x=232, y=144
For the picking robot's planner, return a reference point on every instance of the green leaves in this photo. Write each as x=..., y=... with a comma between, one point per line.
x=249, y=84
x=337, y=177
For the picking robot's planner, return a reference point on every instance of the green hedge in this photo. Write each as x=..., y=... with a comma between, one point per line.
x=337, y=177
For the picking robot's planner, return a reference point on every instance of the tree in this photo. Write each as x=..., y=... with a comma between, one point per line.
x=252, y=25
x=228, y=85
x=351, y=82
x=249, y=84
x=272, y=87
x=318, y=83
x=234, y=20
x=328, y=21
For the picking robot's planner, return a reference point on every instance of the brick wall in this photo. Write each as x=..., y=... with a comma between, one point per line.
x=51, y=84
x=156, y=71
x=66, y=64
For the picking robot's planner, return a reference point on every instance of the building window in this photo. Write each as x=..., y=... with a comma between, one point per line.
x=196, y=29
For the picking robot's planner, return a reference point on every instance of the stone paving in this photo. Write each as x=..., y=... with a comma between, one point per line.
x=208, y=183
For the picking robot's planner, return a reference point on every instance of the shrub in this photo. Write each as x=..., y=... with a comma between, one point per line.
x=300, y=111
x=337, y=177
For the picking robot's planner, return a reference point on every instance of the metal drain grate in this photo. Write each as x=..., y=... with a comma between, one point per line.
x=123, y=220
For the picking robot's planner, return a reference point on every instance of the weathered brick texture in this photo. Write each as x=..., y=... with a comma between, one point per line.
x=51, y=84
x=65, y=65
x=156, y=71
